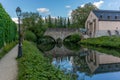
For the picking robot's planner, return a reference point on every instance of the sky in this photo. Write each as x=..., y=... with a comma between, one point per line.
x=55, y=7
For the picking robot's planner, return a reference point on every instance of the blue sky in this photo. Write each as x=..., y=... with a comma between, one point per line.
x=55, y=7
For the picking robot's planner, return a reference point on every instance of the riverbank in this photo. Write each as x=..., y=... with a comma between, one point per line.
x=104, y=41
x=33, y=66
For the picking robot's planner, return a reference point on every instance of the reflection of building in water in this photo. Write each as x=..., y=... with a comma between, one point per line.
x=100, y=63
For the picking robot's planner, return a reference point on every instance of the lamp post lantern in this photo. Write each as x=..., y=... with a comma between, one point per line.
x=18, y=12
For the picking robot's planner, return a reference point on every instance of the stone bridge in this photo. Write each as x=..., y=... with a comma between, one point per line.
x=61, y=33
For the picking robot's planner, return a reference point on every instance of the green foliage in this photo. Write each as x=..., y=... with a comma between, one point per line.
x=33, y=22
x=7, y=48
x=71, y=42
x=68, y=23
x=8, y=29
x=80, y=14
x=75, y=38
x=33, y=66
x=30, y=36
x=104, y=41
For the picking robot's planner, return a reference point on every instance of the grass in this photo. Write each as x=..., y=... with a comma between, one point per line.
x=7, y=48
x=104, y=41
x=33, y=66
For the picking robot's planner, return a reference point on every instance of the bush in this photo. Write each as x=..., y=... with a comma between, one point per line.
x=30, y=36
x=33, y=66
x=75, y=38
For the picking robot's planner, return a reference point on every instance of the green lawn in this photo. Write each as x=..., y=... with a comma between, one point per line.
x=104, y=41
x=33, y=66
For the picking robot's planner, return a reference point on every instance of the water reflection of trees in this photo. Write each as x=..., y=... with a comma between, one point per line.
x=114, y=52
x=46, y=43
x=83, y=61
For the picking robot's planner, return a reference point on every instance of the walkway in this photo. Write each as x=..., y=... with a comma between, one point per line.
x=8, y=65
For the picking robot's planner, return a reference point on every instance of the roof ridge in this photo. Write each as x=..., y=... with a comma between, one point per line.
x=107, y=10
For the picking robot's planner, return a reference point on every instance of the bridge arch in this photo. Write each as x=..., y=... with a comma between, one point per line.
x=61, y=33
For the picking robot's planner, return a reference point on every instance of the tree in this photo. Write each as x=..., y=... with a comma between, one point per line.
x=55, y=22
x=29, y=20
x=68, y=23
x=50, y=21
x=61, y=22
x=65, y=23
x=80, y=14
x=34, y=23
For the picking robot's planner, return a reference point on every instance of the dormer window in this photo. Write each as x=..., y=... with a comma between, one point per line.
x=116, y=17
x=101, y=16
x=108, y=17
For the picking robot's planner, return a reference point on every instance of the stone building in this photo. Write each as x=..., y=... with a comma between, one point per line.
x=103, y=23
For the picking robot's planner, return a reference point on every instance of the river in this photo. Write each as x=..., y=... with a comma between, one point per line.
x=85, y=63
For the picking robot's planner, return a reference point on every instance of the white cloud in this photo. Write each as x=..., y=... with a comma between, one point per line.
x=98, y=4
x=68, y=6
x=69, y=13
x=15, y=20
x=82, y=5
x=43, y=10
x=53, y=17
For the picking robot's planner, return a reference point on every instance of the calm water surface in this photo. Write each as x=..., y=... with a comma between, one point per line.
x=86, y=64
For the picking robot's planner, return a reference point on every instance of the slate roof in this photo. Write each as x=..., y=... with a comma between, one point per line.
x=107, y=15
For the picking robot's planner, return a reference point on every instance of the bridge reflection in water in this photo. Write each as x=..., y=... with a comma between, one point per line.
x=86, y=64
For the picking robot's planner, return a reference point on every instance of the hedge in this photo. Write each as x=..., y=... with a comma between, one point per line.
x=8, y=29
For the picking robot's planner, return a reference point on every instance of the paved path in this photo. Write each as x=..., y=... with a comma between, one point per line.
x=8, y=65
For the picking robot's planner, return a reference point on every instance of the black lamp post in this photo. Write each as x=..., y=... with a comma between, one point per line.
x=18, y=12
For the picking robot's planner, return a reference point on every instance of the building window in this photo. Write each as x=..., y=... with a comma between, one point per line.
x=101, y=16
x=116, y=17
x=108, y=17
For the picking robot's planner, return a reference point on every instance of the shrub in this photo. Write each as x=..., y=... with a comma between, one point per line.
x=73, y=38
x=30, y=36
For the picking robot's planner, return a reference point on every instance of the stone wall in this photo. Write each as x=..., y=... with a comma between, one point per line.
x=105, y=33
